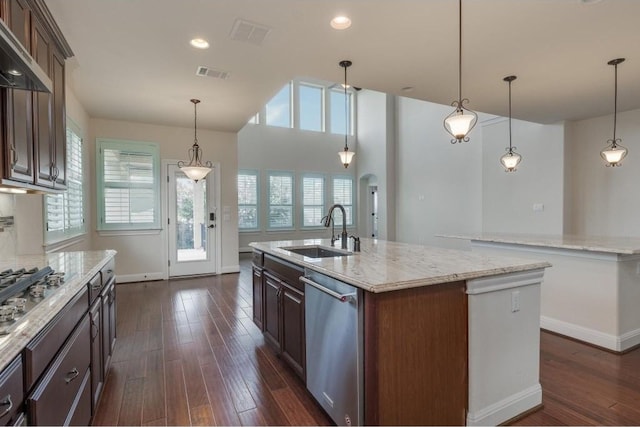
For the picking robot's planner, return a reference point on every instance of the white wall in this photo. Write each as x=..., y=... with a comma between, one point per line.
x=376, y=160
x=439, y=184
x=508, y=198
x=267, y=148
x=8, y=234
x=605, y=200
x=144, y=254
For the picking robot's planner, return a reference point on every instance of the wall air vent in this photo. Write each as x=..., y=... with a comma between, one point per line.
x=212, y=72
x=249, y=32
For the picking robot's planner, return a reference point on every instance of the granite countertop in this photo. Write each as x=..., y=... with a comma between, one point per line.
x=79, y=267
x=383, y=266
x=616, y=245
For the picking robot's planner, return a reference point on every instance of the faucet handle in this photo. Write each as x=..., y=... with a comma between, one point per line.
x=356, y=243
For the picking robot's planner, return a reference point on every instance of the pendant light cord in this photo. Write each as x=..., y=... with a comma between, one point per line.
x=346, y=113
x=510, y=148
x=460, y=52
x=615, y=102
x=195, y=123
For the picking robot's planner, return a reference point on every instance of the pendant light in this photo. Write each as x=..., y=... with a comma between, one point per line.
x=195, y=169
x=613, y=153
x=460, y=122
x=346, y=155
x=510, y=159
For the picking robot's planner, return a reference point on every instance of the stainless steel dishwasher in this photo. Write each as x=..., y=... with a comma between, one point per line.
x=334, y=338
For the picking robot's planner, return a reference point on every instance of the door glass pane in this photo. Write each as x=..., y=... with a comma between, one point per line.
x=191, y=214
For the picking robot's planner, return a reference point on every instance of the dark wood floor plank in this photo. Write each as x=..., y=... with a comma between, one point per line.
x=153, y=403
x=131, y=410
x=221, y=404
x=108, y=409
x=291, y=406
x=177, y=404
x=202, y=416
x=252, y=417
x=196, y=389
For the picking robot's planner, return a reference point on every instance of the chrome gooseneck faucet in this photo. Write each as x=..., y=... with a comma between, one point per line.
x=327, y=222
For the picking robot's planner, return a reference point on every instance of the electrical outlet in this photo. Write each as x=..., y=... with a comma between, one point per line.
x=515, y=301
x=538, y=207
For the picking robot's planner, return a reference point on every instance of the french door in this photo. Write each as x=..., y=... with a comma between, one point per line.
x=191, y=213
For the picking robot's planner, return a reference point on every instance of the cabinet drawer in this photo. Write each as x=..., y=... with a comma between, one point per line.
x=258, y=258
x=285, y=271
x=42, y=349
x=94, y=286
x=53, y=402
x=108, y=271
x=11, y=392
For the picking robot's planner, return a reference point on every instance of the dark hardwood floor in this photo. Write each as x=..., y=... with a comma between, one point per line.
x=188, y=353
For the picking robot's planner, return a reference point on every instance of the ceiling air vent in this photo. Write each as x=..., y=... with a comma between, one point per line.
x=250, y=32
x=211, y=72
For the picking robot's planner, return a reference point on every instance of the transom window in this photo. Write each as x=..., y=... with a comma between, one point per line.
x=311, y=107
x=278, y=110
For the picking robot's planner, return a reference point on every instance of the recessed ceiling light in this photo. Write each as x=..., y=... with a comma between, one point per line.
x=199, y=43
x=341, y=22
x=14, y=72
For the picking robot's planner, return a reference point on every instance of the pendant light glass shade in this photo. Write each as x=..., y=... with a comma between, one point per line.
x=345, y=155
x=613, y=153
x=511, y=159
x=195, y=169
x=460, y=122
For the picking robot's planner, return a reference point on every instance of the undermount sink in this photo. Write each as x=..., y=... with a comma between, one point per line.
x=316, y=251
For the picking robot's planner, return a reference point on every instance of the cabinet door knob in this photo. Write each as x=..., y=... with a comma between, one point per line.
x=71, y=375
x=6, y=402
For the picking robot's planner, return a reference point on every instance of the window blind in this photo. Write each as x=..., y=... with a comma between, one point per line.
x=129, y=184
x=343, y=195
x=64, y=213
x=312, y=200
x=247, y=200
x=280, y=200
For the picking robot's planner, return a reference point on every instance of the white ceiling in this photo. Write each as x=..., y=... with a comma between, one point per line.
x=133, y=60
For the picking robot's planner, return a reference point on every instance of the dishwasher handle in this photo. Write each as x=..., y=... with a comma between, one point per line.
x=340, y=297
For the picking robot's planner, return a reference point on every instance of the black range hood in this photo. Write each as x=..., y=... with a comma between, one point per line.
x=18, y=70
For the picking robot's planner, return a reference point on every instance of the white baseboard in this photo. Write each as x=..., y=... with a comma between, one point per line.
x=591, y=336
x=230, y=269
x=507, y=408
x=142, y=277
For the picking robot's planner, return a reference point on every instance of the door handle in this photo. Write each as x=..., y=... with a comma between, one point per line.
x=212, y=226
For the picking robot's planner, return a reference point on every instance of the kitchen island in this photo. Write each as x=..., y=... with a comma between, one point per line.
x=449, y=337
x=591, y=293
x=55, y=355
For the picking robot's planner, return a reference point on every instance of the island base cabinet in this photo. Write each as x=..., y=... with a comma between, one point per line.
x=11, y=393
x=97, y=376
x=415, y=356
x=63, y=395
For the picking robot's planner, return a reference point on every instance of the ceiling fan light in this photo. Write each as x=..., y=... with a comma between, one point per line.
x=346, y=156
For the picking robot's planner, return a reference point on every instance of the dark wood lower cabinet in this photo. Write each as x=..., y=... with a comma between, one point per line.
x=97, y=374
x=11, y=393
x=108, y=298
x=258, y=306
x=282, y=297
x=58, y=397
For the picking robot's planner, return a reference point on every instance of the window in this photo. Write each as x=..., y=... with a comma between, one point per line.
x=248, y=200
x=336, y=100
x=128, y=176
x=254, y=120
x=310, y=107
x=278, y=110
x=343, y=195
x=280, y=208
x=312, y=200
x=64, y=213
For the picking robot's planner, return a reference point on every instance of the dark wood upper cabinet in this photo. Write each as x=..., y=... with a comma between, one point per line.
x=33, y=124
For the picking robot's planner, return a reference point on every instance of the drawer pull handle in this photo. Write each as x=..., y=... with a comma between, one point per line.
x=71, y=375
x=96, y=287
x=6, y=401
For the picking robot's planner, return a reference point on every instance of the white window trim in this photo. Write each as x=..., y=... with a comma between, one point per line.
x=146, y=147
x=258, y=204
